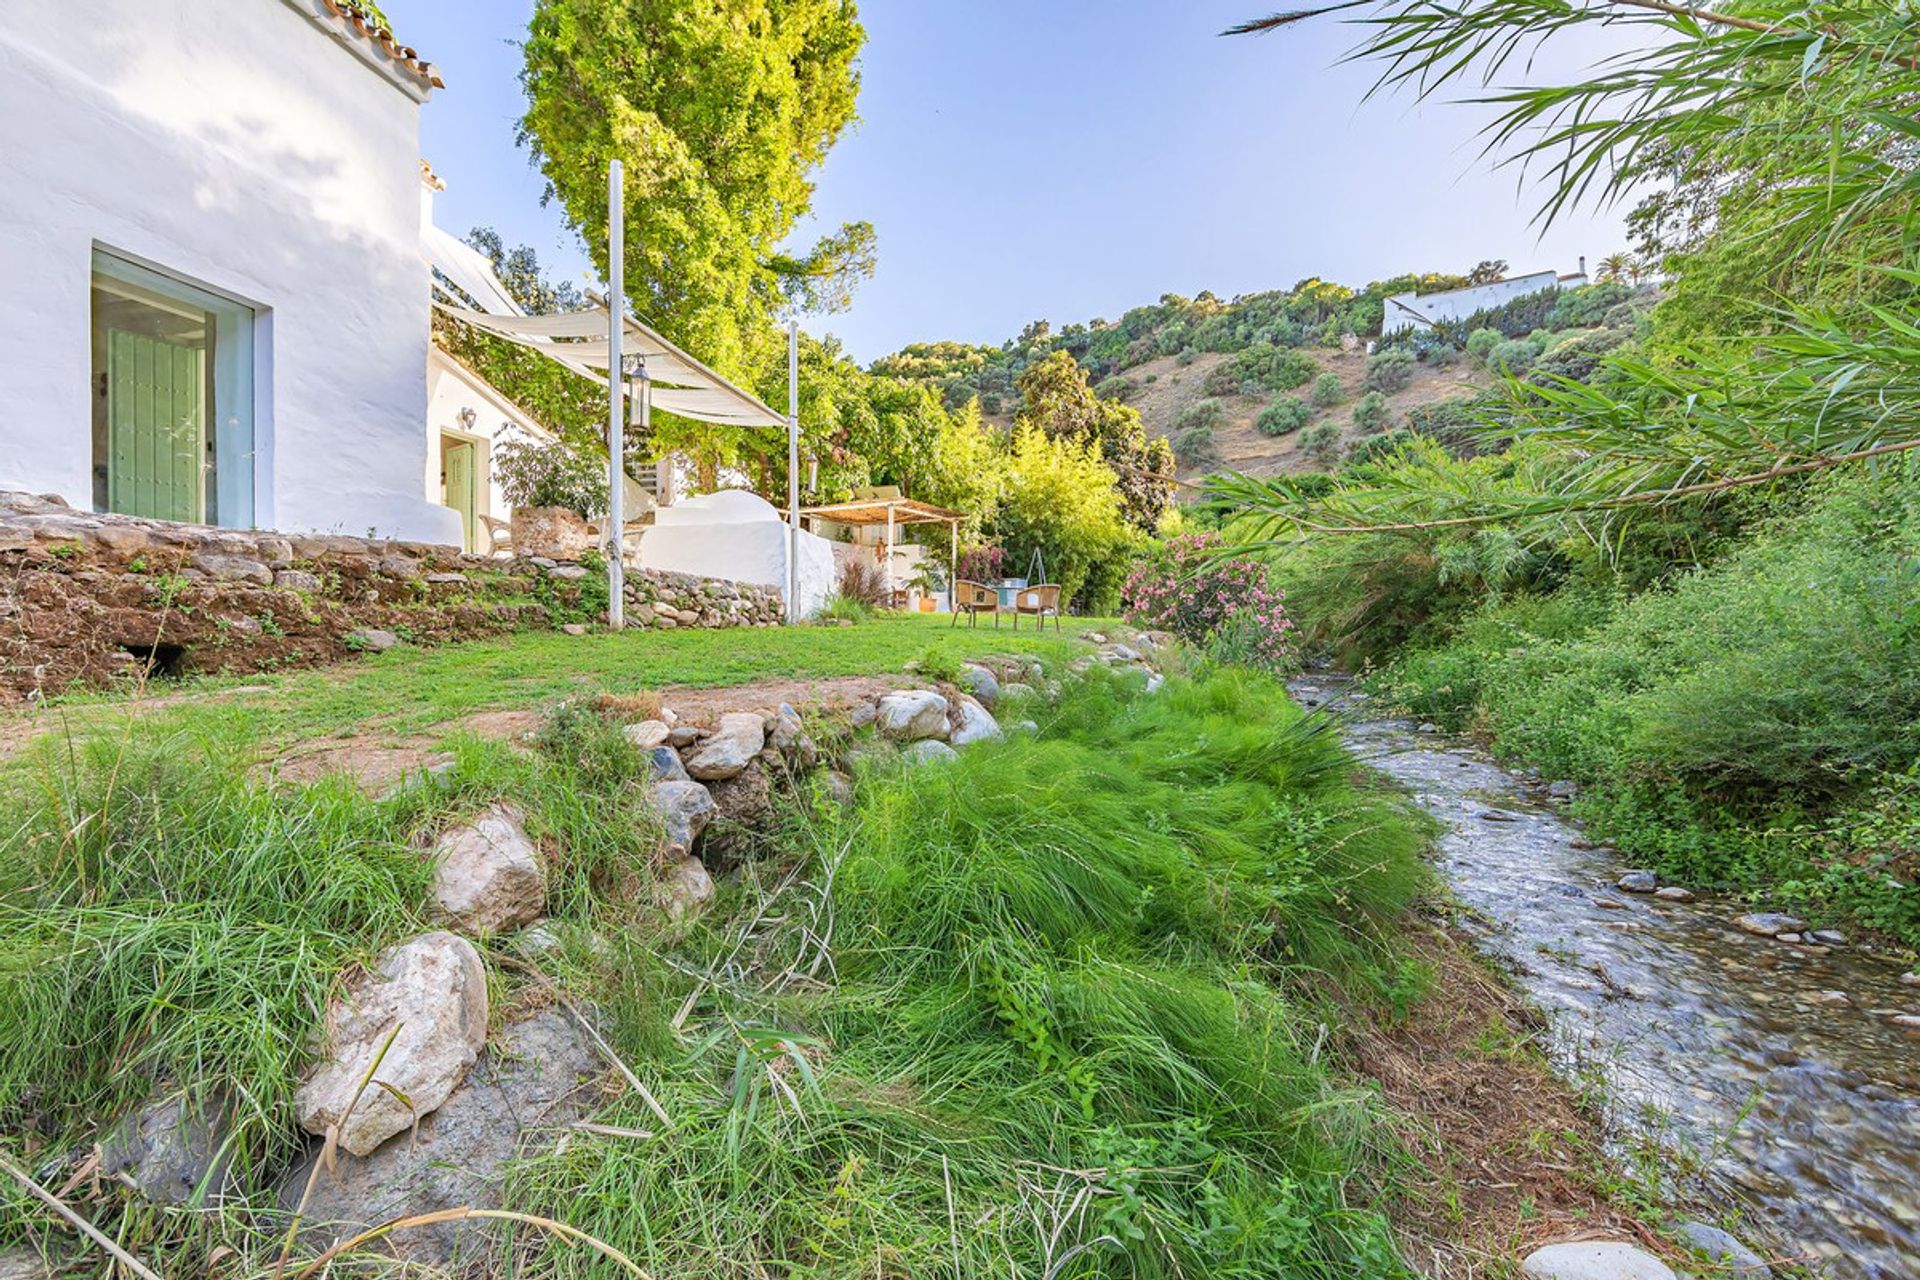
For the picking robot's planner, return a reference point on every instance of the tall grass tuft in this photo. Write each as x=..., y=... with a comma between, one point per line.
x=167, y=924
x=1057, y=1007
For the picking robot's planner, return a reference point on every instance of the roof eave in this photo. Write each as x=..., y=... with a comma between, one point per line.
x=395, y=63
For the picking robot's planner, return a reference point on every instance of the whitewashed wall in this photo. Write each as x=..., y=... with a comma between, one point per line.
x=452, y=387
x=1414, y=311
x=238, y=145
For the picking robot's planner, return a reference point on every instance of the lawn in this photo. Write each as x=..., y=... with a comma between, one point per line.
x=410, y=692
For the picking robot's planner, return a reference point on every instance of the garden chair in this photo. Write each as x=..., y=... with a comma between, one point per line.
x=499, y=535
x=974, y=599
x=1042, y=602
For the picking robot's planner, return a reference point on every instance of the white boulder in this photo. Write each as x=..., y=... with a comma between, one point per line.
x=976, y=724
x=1594, y=1260
x=728, y=750
x=647, y=734
x=487, y=876
x=913, y=714
x=429, y=994
x=683, y=889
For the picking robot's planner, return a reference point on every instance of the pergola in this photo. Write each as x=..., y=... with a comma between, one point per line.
x=894, y=512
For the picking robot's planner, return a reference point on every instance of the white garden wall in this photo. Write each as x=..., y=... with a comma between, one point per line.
x=240, y=146
x=1418, y=311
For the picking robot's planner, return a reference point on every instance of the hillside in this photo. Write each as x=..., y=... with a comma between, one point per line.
x=1281, y=381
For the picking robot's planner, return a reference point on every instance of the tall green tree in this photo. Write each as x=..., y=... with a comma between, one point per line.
x=1057, y=398
x=721, y=110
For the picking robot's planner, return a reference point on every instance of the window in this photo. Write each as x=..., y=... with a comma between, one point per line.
x=172, y=398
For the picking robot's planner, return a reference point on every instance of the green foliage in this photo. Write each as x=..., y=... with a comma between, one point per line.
x=1205, y=413
x=1481, y=342
x=1063, y=501
x=1370, y=411
x=1328, y=390
x=1057, y=400
x=718, y=162
x=1264, y=365
x=534, y=472
x=1102, y=948
x=1321, y=442
x=1197, y=447
x=1390, y=370
x=1514, y=356
x=845, y=608
x=1286, y=413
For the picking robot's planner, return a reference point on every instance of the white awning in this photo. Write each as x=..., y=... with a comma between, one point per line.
x=578, y=339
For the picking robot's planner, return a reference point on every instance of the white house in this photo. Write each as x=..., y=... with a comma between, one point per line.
x=1420, y=311
x=214, y=305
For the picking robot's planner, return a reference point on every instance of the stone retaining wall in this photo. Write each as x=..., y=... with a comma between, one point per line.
x=88, y=601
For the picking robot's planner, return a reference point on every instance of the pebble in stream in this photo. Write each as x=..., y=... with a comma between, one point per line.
x=1781, y=1064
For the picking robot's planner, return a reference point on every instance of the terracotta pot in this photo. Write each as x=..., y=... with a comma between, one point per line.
x=558, y=533
x=927, y=603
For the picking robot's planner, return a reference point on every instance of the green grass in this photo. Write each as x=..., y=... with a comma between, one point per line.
x=1071, y=1018
x=1061, y=1004
x=409, y=691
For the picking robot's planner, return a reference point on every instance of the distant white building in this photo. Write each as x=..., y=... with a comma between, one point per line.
x=1420, y=311
x=215, y=305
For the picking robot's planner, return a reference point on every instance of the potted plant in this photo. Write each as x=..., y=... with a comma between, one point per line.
x=929, y=581
x=553, y=486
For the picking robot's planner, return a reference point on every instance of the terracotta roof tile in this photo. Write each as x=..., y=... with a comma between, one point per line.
x=367, y=21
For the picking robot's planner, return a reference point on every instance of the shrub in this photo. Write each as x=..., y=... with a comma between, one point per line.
x=1264, y=367
x=1188, y=588
x=1481, y=342
x=862, y=580
x=551, y=473
x=1577, y=356
x=1451, y=422
x=841, y=608
x=1378, y=446
x=1201, y=413
x=1390, y=370
x=1185, y=357
x=1370, y=411
x=1286, y=413
x=1327, y=390
x=983, y=564
x=1321, y=442
x=1118, y=387
x=1515, y=356
x=1197, y=447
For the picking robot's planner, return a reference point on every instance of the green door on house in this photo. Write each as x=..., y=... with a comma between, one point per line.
x=156, y=426
x=458, y=474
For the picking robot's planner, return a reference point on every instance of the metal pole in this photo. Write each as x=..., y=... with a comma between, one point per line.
x=616, y=419
x=953, y=562
x=793, y=471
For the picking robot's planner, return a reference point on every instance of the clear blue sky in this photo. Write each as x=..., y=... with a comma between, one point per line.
x=1064, y=159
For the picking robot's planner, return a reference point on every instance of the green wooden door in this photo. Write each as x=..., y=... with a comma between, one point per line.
x=156, y=427
x=456, y=461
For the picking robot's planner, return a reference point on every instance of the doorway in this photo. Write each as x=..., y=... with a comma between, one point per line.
x=460, y=484
x=172, y=398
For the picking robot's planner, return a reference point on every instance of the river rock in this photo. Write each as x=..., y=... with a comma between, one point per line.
x=1673, y=893
x=522, y=1092
x=976, y=724
x=1563, y=790
x=1735, y=1259
x=664, y=765
x=982, y=684
x=912, y=714
x=685, y=808
x=1016, y=689
x=1768, y=924
x=23, y=1264
x=647, y=734
x=433, y=988
x=730, y=748
x=171, y=1150
x=1637, y=882
x=487, y=876
x=1911, y=979
x=862, y=714
x=1836, y=999
x=683, y=889
x=372, y=640
x=932, y=751
x=1829, y=937
x=1594, y=1260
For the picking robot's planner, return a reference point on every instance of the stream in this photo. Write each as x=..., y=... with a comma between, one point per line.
x=1802, y=1109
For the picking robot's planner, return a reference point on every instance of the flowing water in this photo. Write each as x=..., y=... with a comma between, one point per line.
x=1804, y=1109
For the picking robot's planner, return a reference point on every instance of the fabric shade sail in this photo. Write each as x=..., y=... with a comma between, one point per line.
x=578, y=339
